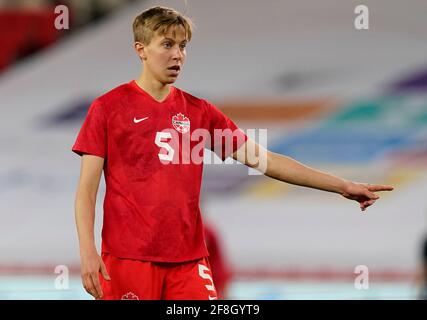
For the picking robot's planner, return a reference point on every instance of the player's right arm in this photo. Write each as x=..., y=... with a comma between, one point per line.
x=286, y=169
x=85, y=201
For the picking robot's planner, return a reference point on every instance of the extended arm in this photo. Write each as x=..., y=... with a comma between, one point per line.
x=288, y=170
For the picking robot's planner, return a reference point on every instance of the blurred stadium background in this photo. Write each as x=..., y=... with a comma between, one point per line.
x=351, y=102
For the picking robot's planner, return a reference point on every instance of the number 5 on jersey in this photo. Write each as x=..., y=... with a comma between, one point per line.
x=170, y=152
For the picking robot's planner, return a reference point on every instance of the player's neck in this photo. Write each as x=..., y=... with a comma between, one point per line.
x=157, y=90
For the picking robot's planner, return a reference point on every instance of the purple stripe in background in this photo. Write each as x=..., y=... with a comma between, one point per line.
x=415, y=82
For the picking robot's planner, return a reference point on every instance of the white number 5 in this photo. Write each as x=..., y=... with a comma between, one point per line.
x=207, y=276
x=161, y=144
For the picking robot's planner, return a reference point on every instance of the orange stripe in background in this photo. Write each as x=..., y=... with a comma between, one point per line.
x=277, y=111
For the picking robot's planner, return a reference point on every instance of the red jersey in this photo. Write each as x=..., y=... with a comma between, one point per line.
x=151, y=204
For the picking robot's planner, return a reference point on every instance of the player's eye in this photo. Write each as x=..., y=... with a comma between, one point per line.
x=167, y=45
x=183, y=45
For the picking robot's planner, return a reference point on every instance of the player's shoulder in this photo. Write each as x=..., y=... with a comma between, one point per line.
x=108, y=101
x=114, y=94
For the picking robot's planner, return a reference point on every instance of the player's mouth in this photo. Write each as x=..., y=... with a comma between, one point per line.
x=174, y=70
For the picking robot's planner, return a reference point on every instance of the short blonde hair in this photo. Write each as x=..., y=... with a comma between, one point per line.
x=159, y=19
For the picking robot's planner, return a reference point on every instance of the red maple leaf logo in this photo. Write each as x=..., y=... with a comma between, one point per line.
x=130, y=296
x=181, y=123
x=180, y=117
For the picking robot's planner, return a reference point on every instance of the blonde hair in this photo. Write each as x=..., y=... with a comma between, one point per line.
x=159, y=19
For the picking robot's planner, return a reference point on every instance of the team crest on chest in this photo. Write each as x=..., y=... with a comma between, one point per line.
x=130, y=296
x=181, y=123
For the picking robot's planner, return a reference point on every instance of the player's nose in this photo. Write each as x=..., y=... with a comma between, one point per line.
x=178, y=54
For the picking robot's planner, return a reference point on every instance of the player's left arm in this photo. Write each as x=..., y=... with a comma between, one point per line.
x=288, y=170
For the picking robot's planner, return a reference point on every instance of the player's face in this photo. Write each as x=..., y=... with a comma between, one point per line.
x=165, y=55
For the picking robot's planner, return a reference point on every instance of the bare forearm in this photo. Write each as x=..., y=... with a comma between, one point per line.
x=85, y=220
x=291, y=171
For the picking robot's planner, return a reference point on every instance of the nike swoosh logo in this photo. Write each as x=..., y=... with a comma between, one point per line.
x=139, y=120
x=212, y=298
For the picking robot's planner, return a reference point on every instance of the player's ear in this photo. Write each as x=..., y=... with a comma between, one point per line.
x=140, y=50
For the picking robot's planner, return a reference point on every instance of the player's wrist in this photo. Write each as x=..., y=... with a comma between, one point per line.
x=346, y=186
x=88, y=249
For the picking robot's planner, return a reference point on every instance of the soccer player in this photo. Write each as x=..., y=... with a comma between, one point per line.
x=139, y=133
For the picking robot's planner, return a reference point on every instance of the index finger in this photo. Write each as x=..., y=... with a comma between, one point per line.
x=97, y=285
x=380, y=187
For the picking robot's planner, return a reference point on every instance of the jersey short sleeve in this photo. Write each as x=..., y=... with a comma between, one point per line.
x=92, y=138
x=226, y=137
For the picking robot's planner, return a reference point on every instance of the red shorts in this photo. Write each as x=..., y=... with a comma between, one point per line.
x=146, y=280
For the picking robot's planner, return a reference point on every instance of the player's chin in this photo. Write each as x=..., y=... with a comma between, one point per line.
x=169, y=78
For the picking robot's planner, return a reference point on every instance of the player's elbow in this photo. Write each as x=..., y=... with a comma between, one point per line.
x=271, y=164
x=259, y=161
